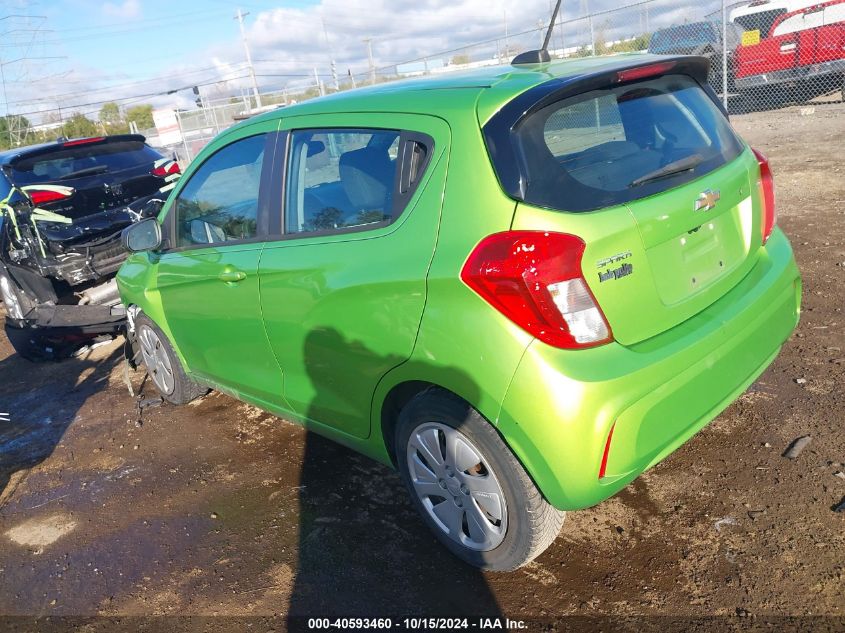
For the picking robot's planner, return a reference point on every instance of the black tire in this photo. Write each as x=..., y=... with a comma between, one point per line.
x=531, y=523
x=184, y=389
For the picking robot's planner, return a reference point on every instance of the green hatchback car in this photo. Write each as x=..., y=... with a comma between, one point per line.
x=521, y=287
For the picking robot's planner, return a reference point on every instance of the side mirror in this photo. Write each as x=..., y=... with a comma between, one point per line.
x=143, y=236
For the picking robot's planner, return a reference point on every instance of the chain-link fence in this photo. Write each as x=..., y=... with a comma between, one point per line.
x=764, y=54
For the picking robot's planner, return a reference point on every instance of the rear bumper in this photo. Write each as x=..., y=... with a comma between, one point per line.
x=791, y=75
x=58, y=330
x=561, y=405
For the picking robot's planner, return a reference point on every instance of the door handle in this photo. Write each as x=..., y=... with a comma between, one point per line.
x=232, y=276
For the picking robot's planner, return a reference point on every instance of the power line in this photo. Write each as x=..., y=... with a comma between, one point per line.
x=70, y=95
x=134, y=97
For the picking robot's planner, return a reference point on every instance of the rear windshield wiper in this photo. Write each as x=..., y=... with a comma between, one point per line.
x=676, y=167
x=88, y=171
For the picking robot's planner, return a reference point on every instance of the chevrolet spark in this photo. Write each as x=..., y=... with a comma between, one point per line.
x=521, y=287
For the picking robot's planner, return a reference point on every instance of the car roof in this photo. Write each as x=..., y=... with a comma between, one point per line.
x=488, y=88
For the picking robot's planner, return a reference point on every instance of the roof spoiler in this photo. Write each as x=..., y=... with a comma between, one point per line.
x=37, y=150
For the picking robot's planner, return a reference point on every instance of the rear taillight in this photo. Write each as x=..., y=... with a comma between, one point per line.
x=43, y=196
x=167, y=169
x=766, y=184
x=534, y=278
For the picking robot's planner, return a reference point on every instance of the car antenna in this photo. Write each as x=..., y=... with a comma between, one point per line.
x=542, y=55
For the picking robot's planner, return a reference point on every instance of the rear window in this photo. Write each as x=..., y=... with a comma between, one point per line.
x=67, y=163
x=611, y=146
x=683, y=37
x=762, y=21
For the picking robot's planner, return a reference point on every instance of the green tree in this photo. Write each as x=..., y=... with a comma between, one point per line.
x=110, y=113
x=13, y=129
x=78, y=125
x=457, y=60
x=142, y=115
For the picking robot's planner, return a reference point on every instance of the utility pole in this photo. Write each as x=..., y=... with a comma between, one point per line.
x=369, y=42
x=507, y=44
x=331, y=53
x=725, y=55
x=240, y=18
x=319, y=84
x=585, y=6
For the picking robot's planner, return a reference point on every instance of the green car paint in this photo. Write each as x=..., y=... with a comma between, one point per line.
x=338, y=331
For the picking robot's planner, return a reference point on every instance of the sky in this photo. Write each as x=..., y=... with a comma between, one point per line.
x=76, y=54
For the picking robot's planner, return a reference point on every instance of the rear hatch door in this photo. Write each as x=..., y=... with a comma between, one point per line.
x=650, y=175
x=105, y=173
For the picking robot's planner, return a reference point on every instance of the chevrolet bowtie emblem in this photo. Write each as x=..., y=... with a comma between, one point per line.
x=707, y=200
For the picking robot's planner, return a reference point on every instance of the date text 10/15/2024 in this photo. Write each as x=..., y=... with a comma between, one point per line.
x=413, y=624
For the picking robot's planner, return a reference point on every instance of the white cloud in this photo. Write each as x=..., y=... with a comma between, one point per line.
x=124, y=10
x=288, y=43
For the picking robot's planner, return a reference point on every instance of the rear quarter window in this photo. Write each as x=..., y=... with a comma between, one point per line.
x=602, y=148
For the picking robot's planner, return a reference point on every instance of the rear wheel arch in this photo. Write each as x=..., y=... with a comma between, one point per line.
x=396, y=400
x=527, y=522
x=401, y=394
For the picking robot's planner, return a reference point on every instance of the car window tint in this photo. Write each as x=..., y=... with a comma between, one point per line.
x=761, y=21
x=65, y=163
x=340, y=178
x=584, y=125
x=589, y=151
x=220, y=202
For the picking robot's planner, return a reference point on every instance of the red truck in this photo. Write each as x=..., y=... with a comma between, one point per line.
x=795, y=46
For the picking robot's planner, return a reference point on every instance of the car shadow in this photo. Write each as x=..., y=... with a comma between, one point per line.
x=39, y=402
x=363, y=549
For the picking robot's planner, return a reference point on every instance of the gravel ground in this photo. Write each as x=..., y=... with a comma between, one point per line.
x=218, y=508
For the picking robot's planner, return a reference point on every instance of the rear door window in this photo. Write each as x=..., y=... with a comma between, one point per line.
x=611, y=146
x=340, y=179
x=76, y=161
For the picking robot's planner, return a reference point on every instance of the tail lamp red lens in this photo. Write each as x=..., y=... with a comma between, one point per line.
x=534, y=278
x=166, y=169
x=766, y=185
x=43, y=196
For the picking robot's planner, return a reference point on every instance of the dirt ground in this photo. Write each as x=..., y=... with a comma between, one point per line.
x=220, y=509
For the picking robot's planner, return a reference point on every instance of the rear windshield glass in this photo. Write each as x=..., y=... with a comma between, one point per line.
x=612, y=146
x=67, y=163
x=762, y=21
x=683, y=37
